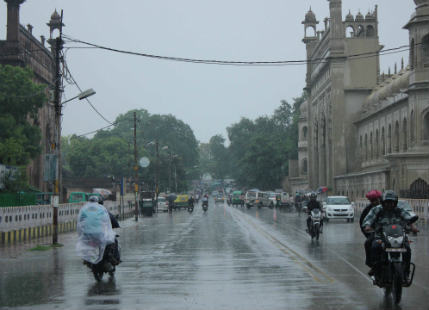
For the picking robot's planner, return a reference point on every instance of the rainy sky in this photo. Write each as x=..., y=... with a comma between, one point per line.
x=207, y=97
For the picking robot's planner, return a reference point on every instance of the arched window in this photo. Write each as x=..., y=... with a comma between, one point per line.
x=304, y=133
x=377, y=144
x=383, y=142
x=426, y=126
x=304, y=166
x=389, y=139
x=425, y=49
x=412, y=126
x=370, y=31
x=361, y=31
x=350, y=31
x=405, y=135
x=371, y=145
x=311, y=33
x=412, y=53
x=366, y=147
x=397, y=137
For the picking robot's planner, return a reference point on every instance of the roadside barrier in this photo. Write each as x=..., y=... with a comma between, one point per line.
x=30, y=222
x=420, y=207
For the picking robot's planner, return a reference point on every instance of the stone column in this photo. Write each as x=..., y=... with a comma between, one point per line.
x=13, y=19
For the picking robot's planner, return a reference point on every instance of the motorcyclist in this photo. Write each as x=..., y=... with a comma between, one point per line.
x=313, y=204
x=191, y=201
x=206, y=200
x=95, y=232
x=374, y=197
x=387, y=214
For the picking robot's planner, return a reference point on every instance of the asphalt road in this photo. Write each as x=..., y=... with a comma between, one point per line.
x=228, y=258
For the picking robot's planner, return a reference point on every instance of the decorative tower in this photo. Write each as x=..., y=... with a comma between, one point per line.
x=13, y=19
x=337, y=31
x=310, y=39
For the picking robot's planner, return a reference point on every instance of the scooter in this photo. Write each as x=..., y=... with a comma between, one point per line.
x=205, y=206
x=315, y=224
x=111, y=259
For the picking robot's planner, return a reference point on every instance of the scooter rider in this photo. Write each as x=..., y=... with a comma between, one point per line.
x=387, y=214
x=374, y=197
x=313, y=204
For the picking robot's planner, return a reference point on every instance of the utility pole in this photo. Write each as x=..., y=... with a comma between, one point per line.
x=136, y=170
x=57, y=46
x=157, y=168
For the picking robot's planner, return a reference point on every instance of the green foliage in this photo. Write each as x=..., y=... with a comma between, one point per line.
x=20, y=100
x=260, y=149
x=111, y=152
x=16, y=182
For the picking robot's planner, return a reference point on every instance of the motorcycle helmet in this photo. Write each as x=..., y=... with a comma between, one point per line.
x=313, y=196
x=389, y=199
x=373, y=195
x=93, y=199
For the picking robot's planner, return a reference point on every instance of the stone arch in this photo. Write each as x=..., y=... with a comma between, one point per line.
x=396, y=137
x=304, y=166
x=405, y=134
x=371, y=146
x=311, y=33
x=377, y=144
x=360, y=31
x=419, y=189
x=350, y=31
x=412, y=53
x=370, y=31
x=425, y=49
x=426, y=126
x=389, y=139
x=412, y=126
x=366, y=147
x=304, y=133
x=383, y=142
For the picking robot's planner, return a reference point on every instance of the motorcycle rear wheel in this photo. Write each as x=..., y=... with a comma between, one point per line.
x=98, y=275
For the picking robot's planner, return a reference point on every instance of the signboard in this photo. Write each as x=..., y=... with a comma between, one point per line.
x=50, y=168
x=144, y=162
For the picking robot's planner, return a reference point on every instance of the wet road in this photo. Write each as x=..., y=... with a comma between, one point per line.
x=228, y=258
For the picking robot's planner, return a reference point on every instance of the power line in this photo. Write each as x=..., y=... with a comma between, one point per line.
x=97, y=130
x=89, y=102
x=395, y=50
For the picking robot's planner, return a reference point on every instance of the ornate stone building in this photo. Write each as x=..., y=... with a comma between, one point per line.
x=21, y=48
x=364, y=129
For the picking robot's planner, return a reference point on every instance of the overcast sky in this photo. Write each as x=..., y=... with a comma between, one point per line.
x=209, y=98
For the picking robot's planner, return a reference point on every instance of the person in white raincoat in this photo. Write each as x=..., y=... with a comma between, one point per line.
x=94, y=231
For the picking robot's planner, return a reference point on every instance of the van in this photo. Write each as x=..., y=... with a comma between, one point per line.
x=256, y=198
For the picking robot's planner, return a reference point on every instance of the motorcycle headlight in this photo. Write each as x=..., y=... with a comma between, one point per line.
x=395, y=242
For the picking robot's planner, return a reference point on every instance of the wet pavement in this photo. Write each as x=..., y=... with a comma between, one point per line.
x=228, y=258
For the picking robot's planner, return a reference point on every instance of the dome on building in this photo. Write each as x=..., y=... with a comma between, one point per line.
x=390, y=87
x=55, y=16
x=370, y=16
x=310, y=17
x=359, y=17
x=349, y=17
x=421, y=2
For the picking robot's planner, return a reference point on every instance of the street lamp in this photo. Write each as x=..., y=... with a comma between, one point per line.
x=83, y=95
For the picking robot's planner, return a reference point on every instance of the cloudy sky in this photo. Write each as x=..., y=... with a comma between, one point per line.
x=207, y=97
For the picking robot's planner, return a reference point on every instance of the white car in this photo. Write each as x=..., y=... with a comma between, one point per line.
x=162, y=204
x=339, y=207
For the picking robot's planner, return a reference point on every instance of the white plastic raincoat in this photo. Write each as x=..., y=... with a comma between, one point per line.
x=94, y=232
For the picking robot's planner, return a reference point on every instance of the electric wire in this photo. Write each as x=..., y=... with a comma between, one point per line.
x=395, y=50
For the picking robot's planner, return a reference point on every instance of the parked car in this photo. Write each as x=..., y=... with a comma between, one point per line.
x=162, y=204
x=339, y=207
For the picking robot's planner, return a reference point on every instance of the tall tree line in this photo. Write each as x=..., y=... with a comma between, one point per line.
x=259, y=150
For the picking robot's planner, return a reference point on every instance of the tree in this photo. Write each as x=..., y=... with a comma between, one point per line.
x=20, y=101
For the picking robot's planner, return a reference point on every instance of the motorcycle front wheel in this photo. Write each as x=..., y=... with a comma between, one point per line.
x=397, y=283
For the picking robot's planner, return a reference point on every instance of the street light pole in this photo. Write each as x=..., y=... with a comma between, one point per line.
x=136, y=170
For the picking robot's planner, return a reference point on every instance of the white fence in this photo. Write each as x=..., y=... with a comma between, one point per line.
x=15, y=218
x=420, y=206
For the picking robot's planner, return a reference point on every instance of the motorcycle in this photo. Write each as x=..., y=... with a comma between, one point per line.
x=205, y=205
x=108, y=263
x=315, y=224
x=391, y=275
x=191, y=208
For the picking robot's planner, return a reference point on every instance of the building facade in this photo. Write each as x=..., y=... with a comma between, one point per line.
x=364, y=129
x=21, y=48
